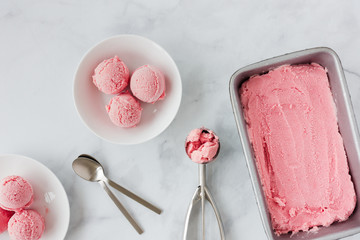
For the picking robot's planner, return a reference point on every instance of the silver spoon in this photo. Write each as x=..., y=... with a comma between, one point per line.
x=90, y=169
x=124, y=190
x=202, y=193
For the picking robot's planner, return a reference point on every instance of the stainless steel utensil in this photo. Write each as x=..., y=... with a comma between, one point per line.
x=88, y=168
x=327, y=58
x=202, y=193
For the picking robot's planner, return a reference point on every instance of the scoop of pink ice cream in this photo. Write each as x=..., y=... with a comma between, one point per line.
x=26, y=225
x=124, y=110
x=15, y=193
x=111, y=76
x=148, y=84
x=4, y=219
x=202, y=145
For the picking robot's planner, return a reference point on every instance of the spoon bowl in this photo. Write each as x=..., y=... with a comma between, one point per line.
x=88, y=169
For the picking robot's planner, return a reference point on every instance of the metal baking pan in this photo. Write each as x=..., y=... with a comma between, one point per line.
x=327, y=58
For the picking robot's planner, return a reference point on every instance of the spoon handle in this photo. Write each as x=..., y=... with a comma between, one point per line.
x=134, y=197
x=121, y=208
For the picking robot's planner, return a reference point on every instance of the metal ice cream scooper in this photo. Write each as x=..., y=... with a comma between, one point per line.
x=202, y=153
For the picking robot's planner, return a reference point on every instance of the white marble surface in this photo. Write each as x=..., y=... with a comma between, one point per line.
x=41, y=43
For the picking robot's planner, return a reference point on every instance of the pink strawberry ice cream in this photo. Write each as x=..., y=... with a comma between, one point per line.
x=202, y=145
x=292, y=125
x=26, y=225
x=124, y=110
x=111, y=76
x=4, y=219
x=148, y=84
x=15, y=193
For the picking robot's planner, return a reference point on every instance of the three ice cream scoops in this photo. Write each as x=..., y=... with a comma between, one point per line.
x=146, y=84
x=16, y=195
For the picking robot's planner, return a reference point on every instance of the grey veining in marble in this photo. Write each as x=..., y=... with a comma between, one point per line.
x=41, y=43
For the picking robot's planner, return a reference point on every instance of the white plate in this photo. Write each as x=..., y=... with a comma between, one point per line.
x=135, y=51
x=50, y=198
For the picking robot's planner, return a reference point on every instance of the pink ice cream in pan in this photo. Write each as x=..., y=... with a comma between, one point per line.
x=324, y=97
x=299, y=151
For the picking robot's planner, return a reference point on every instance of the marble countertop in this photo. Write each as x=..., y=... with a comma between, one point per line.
x=41, y=43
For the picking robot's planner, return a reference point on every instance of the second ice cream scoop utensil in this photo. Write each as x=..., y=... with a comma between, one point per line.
x=90, y=169
x=202, y=146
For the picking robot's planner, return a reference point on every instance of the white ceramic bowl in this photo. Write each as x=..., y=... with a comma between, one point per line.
x=90, y=103
x=50, y=198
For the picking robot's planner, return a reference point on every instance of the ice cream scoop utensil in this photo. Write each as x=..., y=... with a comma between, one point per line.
x=202, y=193
x=90, y=169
